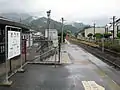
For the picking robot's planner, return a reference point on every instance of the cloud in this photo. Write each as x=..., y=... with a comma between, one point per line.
x=69, y=9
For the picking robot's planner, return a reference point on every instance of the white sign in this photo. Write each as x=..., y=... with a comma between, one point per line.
x=13, y=44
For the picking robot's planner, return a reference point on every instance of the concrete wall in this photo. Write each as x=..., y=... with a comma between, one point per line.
x=91, y=30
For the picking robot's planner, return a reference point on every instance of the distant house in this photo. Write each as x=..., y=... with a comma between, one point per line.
x=84, y=33
x=53, y=33
x=109, y=28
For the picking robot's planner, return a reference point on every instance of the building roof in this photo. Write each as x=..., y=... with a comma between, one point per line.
x=6, y=21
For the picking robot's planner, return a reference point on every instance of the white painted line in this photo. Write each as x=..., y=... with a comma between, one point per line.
x=114, y=82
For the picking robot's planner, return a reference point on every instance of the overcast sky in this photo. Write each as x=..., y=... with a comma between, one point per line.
x=72, y=10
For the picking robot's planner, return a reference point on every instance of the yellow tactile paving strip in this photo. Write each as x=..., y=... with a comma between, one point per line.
x=92, y=85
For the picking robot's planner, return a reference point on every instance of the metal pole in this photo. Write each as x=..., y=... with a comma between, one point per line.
x=48, y=28
x=62, y=31
x=113, y=27
x=117, y=30
x=25, y=50
x=6, y=54
x=21, y=47
x=102, y=44
x=94, y=31
x=10, y=61
x=21, y=67
x=59, y=51
x=48, y=22
x=55, y=57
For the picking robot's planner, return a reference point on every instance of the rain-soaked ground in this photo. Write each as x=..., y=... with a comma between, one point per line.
x=86, y=72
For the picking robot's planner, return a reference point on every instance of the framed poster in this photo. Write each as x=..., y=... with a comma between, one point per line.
x=13, y=44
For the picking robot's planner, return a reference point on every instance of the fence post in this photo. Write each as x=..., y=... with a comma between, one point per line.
x=102, y=44
x=55, y=56
x=21, y=70
x=59, y=52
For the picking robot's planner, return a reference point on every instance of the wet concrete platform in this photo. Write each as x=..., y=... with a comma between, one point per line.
x=83, y=73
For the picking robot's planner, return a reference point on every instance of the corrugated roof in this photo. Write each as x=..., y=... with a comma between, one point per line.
x=6, y=21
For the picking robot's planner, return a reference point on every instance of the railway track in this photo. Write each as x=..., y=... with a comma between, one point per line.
x=107, y=57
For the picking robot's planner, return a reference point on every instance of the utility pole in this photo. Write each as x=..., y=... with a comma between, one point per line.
x=113, y=23
x=48, y=22
x=20, y=20
x=113, y=28
x=62, y=30
x=59, y=50
x=106, y=29
x=94, y=31
x=55, y=55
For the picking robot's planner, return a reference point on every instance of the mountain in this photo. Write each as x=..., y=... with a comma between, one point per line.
x=78, y=25
x=38, y=23
x=41, y=24
x=29, y=20
x=15, y=16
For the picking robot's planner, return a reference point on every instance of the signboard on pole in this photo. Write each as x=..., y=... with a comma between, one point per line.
x=13, y=44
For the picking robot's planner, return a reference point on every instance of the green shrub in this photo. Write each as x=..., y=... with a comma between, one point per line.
x=90, y=35
x=115, y=47
x=98, y=35
x=111, y=46
x=118, y=35
x=107, y=35
x=106, y=44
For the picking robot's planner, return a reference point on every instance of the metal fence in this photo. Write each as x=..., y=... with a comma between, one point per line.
x=45, y=48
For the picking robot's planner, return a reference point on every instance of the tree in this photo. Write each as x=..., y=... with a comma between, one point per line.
x=98, y=35
x=107, y=35
x=83, y=34
x=90, y=35
x=118, y=35
x=76, y=34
